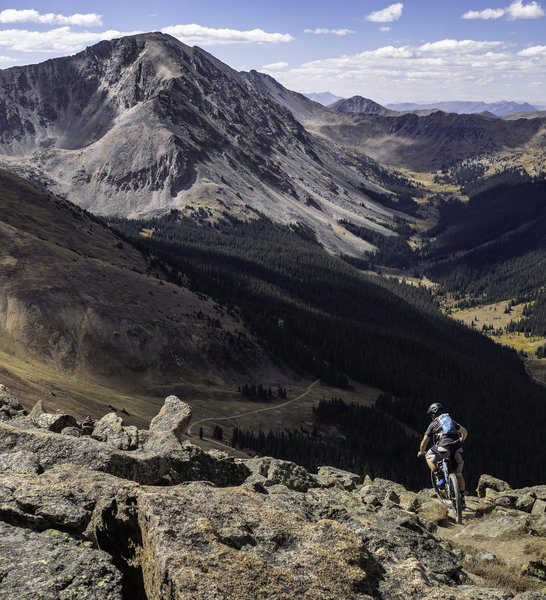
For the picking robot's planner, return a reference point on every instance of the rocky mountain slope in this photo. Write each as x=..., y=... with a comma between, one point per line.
x=103, y=511
x=80, y=307
x=418, y=141
x=143, y=124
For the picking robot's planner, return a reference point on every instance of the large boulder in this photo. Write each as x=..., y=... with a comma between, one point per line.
x=246, y=550
x=272, y=471
x=169, y=425
x=501, y=524
x=487, y=482
x=110, y=429
x=54, y=565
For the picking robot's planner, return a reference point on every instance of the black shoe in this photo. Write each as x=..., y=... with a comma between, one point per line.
x=439, y=478
x=463, y=502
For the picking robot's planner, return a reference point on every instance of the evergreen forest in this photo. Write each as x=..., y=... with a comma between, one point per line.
x=498, y=244
x=329, y=320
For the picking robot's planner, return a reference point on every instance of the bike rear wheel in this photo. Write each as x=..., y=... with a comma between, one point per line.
x=455, y=497
x=440, y=490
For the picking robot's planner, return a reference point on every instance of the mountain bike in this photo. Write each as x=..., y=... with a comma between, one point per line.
x=448, y=492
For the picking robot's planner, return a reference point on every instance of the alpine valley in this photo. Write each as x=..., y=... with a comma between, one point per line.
x=307, y=278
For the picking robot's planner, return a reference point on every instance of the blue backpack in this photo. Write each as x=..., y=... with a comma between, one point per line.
x=447, y=424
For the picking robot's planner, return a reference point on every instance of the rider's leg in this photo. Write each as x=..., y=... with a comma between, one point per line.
x=430, y=464
x=459, y=470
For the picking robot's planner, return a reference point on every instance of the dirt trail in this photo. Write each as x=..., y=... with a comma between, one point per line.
x=251, y=412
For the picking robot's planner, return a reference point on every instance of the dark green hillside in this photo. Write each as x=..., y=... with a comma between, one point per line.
x=502, y=234
x=325, y=317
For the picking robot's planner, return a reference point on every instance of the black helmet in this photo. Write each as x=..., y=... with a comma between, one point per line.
x=434, y=408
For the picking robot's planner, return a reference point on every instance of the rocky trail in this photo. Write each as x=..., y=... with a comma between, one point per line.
x=103, y=511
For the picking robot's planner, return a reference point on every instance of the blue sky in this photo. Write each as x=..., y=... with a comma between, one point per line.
x=415, y=50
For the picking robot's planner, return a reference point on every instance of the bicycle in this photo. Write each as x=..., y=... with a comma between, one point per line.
x=448, y=492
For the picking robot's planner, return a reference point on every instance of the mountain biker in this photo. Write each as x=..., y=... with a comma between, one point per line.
x=446, y=443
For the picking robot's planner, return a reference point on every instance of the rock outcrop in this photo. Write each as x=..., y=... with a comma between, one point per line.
x=80, y=517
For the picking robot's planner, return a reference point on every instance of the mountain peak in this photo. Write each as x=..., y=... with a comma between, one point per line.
x=358, y=104
x=143, y=124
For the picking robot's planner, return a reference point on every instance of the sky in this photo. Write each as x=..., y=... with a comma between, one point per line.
x=409, y=51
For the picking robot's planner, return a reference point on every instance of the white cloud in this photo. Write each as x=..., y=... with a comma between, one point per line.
x=516, y=10
x=275, y=66
x=459, y=46
x=61, y=39
x=319, y=31
x=387, y=15
x=12, y=15
x=488, y=13
x=7, y=60
x=196, y=35
x=461, y=69
x=384, y=29
x=533, y=51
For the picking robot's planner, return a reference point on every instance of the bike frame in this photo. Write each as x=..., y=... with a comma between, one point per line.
x=449, y=492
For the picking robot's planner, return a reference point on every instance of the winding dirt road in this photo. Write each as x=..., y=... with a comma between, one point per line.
x=251, y=412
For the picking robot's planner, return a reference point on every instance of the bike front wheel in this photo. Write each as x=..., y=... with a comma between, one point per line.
x=455, y=497
x=440, y=490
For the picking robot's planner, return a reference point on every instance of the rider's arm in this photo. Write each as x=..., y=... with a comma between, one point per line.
x=463, y=432
x=424, y=444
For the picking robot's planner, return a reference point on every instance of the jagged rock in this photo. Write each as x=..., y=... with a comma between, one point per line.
x=37, y=411
x=53, y=565
x=525, y=503
x=20, y=462
x=536, y=568
x=488, y=482
x=8, y=400
x=281, y=472
x=498, y=525
x=436, y=512
x=348, y=480
x=110, y=429
x=371, y=499
x=173, y=418
x=56, y=422
x=538, y=526
x=167, y=427
x=539, y=508
x=186, y=463
x=410, y=502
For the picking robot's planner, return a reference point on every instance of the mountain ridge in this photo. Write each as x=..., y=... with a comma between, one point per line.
x=421, y=141
x=145, y=124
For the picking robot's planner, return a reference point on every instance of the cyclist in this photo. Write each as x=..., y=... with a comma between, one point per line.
x=447, y=436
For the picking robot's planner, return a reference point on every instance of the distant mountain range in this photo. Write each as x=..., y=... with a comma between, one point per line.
x=455, y=106
x=465, y=108
x=424, y=140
